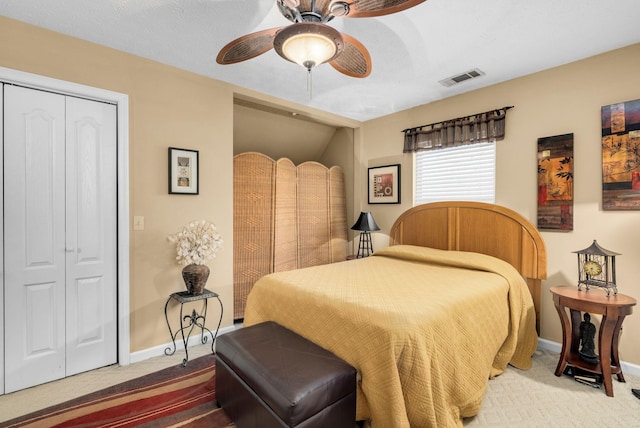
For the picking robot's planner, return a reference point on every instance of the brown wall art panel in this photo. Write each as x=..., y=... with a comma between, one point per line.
x=555, y=182
x=621, y=156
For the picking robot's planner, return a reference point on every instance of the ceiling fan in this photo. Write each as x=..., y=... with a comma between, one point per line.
x=309, y=41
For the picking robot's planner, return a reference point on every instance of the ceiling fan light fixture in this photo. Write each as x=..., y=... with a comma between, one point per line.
x=308, y=43
x=309, y=50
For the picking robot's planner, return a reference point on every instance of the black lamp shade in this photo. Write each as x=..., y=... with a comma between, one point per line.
x=365, y=222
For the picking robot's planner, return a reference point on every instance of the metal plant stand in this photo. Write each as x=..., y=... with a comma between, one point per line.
x=189, y=322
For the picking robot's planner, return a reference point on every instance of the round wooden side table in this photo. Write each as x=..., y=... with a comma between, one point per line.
x=613, y=308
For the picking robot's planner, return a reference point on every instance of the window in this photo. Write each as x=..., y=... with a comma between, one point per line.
x=462, y=173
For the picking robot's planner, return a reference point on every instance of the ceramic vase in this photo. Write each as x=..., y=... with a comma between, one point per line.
x=195, y=277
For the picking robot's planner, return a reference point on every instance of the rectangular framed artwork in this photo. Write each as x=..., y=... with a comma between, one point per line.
x=183, y=171
x=384, y=184
x=555, y=182
x=621, y=156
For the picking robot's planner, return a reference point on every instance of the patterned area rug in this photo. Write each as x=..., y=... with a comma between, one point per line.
x=176, y=396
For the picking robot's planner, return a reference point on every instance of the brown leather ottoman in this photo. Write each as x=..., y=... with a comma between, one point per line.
x=268, y=376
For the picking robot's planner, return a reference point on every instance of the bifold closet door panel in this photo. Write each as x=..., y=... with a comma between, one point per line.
x=253, y=206
x=2, y=299
x=34, y=228
x=91, y=244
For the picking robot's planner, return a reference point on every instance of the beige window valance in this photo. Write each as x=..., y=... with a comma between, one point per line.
x=477, y=128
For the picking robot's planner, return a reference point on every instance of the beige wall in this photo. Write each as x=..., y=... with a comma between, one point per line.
x=558, y=101
x=279, y=135
x=168, y=107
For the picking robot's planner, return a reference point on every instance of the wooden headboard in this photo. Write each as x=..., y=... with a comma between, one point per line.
x=481, y=228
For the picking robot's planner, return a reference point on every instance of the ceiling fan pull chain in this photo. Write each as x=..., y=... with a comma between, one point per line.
x=309, y=82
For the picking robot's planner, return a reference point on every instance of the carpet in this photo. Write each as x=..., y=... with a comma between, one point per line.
x=174, y=397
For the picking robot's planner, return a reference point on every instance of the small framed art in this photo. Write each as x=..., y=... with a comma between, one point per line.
x=183, y=171
x=384, y=184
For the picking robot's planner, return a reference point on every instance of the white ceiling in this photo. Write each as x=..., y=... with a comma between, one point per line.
x=410, y=51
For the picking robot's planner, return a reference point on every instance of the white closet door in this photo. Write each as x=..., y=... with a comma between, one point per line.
x=34, y=187
x=61, y=234
x=1, y=251
x=91, y=200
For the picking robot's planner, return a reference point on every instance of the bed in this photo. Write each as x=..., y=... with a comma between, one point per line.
x=426, y=321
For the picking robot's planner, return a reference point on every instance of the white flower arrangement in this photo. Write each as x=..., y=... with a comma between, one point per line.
x=197, y=243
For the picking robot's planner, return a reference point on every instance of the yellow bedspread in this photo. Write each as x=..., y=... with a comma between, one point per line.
x=425, y=328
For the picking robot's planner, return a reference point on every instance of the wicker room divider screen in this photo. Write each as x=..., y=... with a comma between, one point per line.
x=285, y=217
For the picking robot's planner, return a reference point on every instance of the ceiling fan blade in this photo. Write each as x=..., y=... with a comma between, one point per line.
x=354, y=60
x=247, y=47
x=368, y=8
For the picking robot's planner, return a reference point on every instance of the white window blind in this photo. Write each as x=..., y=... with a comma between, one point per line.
x=463, y=173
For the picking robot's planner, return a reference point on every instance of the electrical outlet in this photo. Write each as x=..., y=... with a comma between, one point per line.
x=138, y=222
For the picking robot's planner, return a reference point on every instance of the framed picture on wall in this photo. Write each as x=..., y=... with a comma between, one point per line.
x=183, y=171
x=621, y=156
x=555, y=182
x=384, y=184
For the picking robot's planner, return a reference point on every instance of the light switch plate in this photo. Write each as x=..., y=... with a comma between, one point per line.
x=138, y=222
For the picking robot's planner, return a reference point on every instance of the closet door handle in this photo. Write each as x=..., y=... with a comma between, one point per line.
x=69, y=250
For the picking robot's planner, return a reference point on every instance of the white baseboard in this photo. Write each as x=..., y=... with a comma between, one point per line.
x=547, y=345
x=157, y=351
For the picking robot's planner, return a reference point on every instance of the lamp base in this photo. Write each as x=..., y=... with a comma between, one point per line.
x=365, y=248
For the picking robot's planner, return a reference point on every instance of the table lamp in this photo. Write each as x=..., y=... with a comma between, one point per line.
x=365, y=224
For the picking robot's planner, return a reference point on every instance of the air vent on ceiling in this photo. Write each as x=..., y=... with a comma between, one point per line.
x=454, y=80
